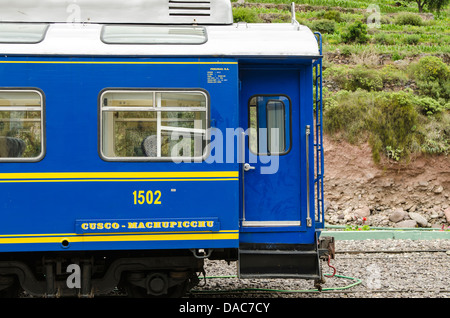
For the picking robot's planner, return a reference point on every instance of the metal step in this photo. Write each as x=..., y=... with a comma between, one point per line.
x=279, y=263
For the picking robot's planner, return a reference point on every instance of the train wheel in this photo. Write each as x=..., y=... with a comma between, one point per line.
x=155, y=285
x=176, y=291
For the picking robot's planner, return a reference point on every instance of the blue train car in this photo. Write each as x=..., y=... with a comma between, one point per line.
x=138, y=141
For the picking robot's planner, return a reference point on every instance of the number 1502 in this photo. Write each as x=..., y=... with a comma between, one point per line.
x=147, y=197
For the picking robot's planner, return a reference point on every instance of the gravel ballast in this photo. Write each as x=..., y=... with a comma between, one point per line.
x=364, y=268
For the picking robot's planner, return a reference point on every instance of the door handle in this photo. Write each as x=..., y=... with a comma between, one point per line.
x=248, y=167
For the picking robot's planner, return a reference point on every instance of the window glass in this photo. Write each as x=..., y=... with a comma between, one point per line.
x=153, y=125
x=22, y=32
x=276, y=132
x=145, y=34
x=269, y=124
x=253, y=126
x=21, y=132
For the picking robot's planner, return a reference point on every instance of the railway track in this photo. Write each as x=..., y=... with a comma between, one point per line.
x=381, y=269
x=361, y=269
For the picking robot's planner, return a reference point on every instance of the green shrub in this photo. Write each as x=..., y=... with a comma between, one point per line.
x=363, y=78
x=245, y=15
x=383, y=38
x=346, y=50
x=332, y=15
x=391, y=124
x=345, y=113
x=429, y=106
x=435, y=134
x=438, y=89
x=397, y=56
x=387, y=120
x=412, y=39
x=408, y=18
x=392, y=75
x=337, y=74
x=352, y=79
x=394, y=154
x=356, y=32
x=433, y=146
x=323, y=26
x=385, y=20
x=432, y=77
x=431, y=68
x=281, y=18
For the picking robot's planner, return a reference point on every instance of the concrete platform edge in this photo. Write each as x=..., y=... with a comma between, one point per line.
x=387, y=234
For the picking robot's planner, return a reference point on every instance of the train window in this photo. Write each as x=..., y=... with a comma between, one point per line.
x=21, y=125
x=146, y=34
x=269, y=123
x=154, y=125
x=276, y=133
x=22, y=32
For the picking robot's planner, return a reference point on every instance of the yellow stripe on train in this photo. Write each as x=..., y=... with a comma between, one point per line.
x=122, y=238
x=119, y=176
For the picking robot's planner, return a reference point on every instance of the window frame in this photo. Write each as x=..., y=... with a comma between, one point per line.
x=288, y=134
x=42, y=121
x=102, y=35
x=206, y=150
x=41, y=39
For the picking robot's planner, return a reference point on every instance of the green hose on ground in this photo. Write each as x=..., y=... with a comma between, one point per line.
x=357, y=281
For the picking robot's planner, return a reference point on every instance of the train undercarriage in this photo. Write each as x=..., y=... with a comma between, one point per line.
x=133, y=274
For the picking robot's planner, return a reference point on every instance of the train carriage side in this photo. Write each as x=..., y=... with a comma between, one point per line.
x=117, y=160
x=134, y=162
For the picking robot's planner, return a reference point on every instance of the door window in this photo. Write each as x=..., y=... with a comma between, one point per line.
x=269, y=124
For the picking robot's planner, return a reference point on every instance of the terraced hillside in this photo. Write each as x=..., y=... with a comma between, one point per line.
x=386, y=105
x=386, y=54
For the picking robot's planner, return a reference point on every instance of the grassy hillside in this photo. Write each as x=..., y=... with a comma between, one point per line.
x=387, y=83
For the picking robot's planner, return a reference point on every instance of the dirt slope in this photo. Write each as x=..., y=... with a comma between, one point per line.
x=356, y=187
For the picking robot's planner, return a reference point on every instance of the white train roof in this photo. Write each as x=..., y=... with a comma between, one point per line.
x=144, y=28
x=238, y=40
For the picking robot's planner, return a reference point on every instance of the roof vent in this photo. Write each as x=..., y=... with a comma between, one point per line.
x=187, y=12
x=189, y=8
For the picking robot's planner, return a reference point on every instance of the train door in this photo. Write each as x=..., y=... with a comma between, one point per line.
x=270, y=115
x=277, y=236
